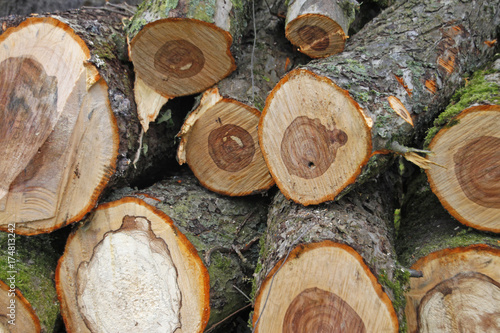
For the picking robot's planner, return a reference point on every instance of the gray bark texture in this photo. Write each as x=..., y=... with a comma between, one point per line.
x=363, y=220
x=259, y=68
x=224, y=230
x=418, y=52
x=26, y=7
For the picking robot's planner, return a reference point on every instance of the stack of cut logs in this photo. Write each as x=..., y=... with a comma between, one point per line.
x=354, y=237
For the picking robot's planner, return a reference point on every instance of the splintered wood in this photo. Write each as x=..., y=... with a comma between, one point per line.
x=130, y=269
x=62, y=136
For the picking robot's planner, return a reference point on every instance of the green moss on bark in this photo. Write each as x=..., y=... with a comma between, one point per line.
x=481, y=88
x=36, y=261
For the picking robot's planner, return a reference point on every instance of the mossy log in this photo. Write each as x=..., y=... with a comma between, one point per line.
x=324, y=121
x=460, y=287
x=466, y=152
x=223, y=233
x=181, y=48
x=73, y=67
x=319, y=28
x=342, y=275
x=28, y=299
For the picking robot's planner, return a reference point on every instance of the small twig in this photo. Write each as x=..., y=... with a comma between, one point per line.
x=277, y=271
x=253, y=50
x=245, y=221
x=238, y=252
x=241, y=292
x=138, y=152
x=250, y=243
x=216, y=248
x=125, y=6
x=223, y=320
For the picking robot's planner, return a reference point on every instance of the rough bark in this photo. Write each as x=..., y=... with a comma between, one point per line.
x=27, y=7
x=466, y=152
x=74, y=159
x=399, y=70
x=224, y=231
x=28, y=266
x=450, y=257
x=352, y=235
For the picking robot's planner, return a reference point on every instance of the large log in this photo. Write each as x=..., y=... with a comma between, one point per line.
x=28, y=299
x=181, y=48
x=466, y=152
x=342, y=275
x=460, y=287
x=92, y=137
x=323, y=122
x=220, y=232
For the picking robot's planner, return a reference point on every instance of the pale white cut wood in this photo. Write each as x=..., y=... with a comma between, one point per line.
x=313, y=146
x=464, y=284
x=466, y=178
x=40, y=61
x=468, y=302
x=131, y=257
x=334, y=269
x=131, y=251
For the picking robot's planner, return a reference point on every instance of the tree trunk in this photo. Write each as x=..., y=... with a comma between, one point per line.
x=221, y=231
x=460, y=287
x=27, y=281
x=319, y=28
x=342, y=273
x=466, y=153
x=92, y=137
x=323, y=122
x=181, y=48
x=220, y=144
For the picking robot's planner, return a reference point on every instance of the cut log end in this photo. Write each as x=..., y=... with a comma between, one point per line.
x=221, y=147
x=112, y=262
x=316, y=35
x=468, y=186
x=16, y=313
x=178, y=57
x=314, y=137
x=469, y=301
x=459, y=291
x=311, y=294
x=57, y=127
x=140, y=265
